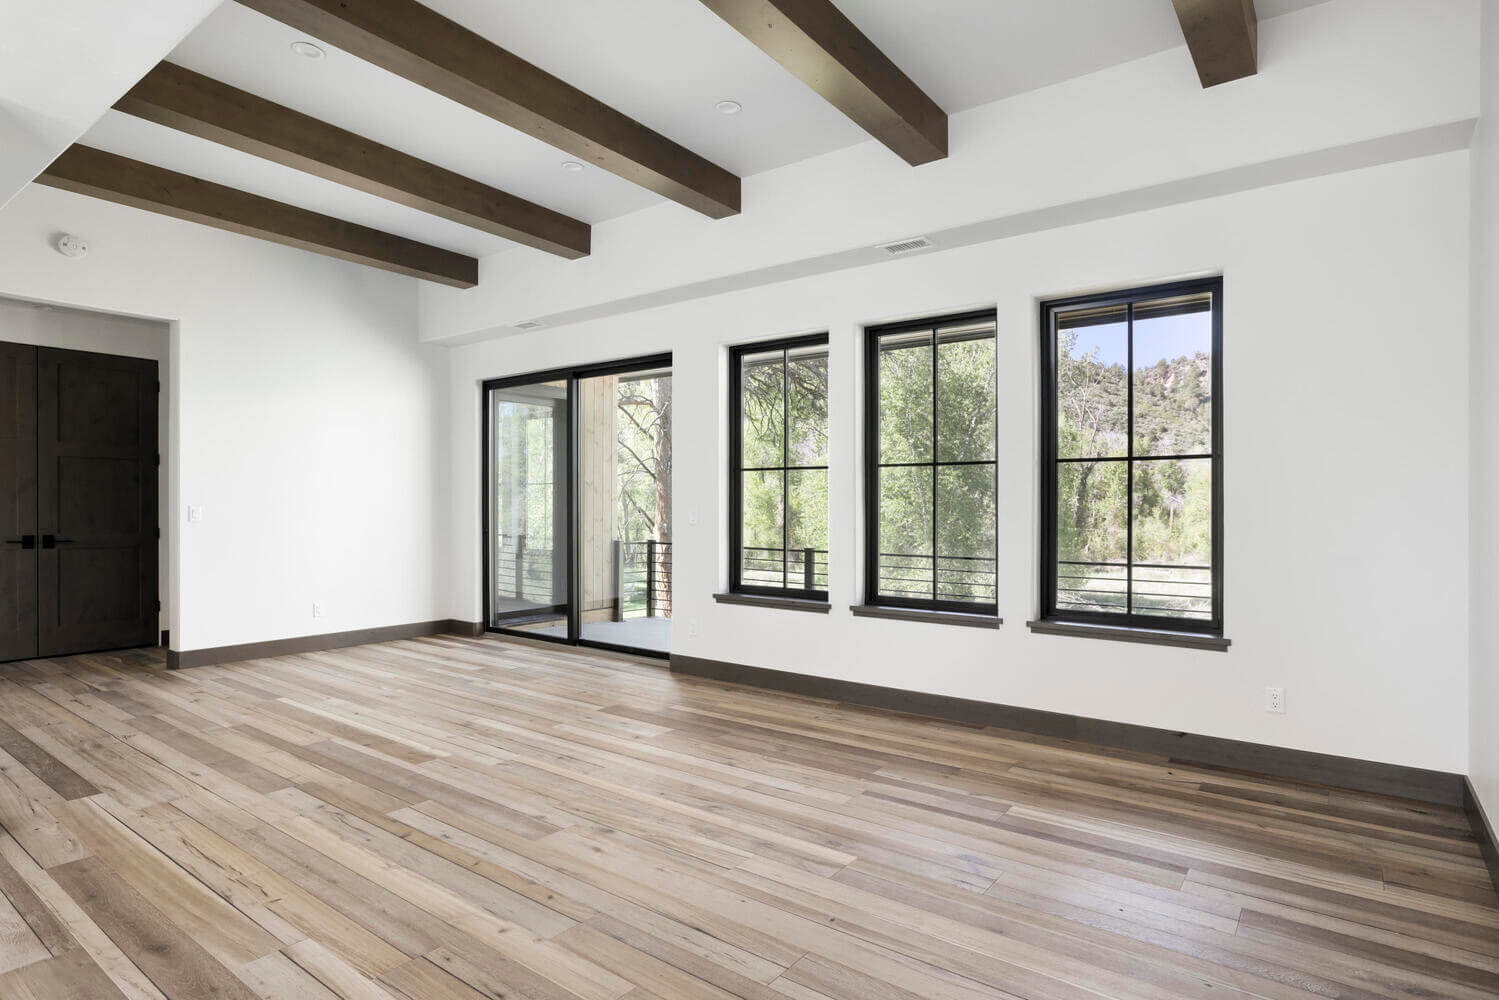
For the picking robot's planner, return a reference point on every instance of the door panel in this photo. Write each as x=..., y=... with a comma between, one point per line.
x=624, y=499
x=528, y=438
x=18, y=557
x=96, y=463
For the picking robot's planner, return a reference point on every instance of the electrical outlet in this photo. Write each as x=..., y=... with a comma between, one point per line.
x=317, y=611
x=194, y=512
x=692, y=626
x=1275, y=700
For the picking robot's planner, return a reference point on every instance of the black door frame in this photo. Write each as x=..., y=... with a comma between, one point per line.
x=572, y=376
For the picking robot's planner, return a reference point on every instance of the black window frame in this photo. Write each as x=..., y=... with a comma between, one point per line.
x=1127, y=297
x=736, y=468
x=872, y=465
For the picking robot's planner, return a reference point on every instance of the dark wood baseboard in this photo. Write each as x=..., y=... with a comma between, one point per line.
x=470, y=630
x=1438, y=787
x=1483, y=831
x=177, y=659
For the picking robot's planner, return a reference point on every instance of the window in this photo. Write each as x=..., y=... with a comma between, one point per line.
x=778, y=484
x=1132, y=517
x=930, y=470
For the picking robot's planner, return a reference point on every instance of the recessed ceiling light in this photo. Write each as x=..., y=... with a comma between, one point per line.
x=728, y=107
x=571, y=166
x=307, y=49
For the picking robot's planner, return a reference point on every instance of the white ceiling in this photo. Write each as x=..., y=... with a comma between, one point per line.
x=664, y=62
x=63, y=61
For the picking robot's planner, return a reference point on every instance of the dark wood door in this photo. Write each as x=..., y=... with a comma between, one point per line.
x=96, y=502
x=18, y=531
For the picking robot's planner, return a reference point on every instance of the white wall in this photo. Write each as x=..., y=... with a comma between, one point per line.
x=1484, y=699
x=305, y=417
x=1348, y=76
x=78, y=330
x=1346, y=314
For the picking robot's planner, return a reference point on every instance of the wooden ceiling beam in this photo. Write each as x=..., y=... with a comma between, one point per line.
x=119, y=179
x=1223, y=36
x=190, y=102
x=415, y=42
x=823, y=48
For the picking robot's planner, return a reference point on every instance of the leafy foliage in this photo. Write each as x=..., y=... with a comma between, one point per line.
x=784, y=457
x=1171, y=512
x=936, y=492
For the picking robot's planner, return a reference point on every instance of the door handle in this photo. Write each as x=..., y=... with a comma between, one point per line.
x=25, y=541
x=52, y=541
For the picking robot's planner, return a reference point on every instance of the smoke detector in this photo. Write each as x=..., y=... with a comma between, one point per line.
x=529, y=324
x=72, y=246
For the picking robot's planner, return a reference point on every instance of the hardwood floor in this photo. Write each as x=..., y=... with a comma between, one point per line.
x=452, y=819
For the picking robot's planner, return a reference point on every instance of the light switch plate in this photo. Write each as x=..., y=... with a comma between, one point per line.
x=194, y=513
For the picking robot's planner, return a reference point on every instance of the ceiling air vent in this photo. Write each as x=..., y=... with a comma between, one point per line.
x=530, y=324
x=902, y=247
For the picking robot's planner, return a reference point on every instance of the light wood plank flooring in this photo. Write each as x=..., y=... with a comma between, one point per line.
x=453, y=819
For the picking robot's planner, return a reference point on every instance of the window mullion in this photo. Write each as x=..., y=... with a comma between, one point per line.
x=1129, y=445
x=785, y=461
x=934, y=463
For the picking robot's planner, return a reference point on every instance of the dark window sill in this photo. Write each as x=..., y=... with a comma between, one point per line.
x=1155, y=637
x=923, y=615
x=781, y=603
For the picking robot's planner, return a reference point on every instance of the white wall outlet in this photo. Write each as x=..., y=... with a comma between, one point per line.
x=1275, y=700
x=317, y=611
x=194, y=512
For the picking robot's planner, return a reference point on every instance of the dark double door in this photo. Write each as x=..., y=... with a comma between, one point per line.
x=78, y=523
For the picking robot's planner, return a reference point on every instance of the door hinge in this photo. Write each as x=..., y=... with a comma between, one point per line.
x=158, y=459
x=158, y=533
x=158, y=605
x=158, y=385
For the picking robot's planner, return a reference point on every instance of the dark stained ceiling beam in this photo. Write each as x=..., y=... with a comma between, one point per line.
x=1223, y=37
x=823, y=49
x=417, y=43
x=190, y=102
x=119, y=179
x=195, y=104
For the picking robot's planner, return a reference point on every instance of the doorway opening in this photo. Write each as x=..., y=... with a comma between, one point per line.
x=79, y=527
x=578, y=521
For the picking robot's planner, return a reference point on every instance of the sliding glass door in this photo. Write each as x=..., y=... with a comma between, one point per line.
x=529, y=442
x=578, y=543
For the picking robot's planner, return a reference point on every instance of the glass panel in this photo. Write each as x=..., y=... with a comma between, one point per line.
x=905, y=418
x=807, y=553
x=528, y=507
x=965, y=533
x=905, y=512
x=965, y=393
x=1173, y=526
x=1092, y=539
x=807, y=394
x=1173, y=376
x=624, y=509
x=1092, y=396
x=764, y=537
x=762, y=403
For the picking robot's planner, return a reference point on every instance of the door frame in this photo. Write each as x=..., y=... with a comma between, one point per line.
x=572, y=375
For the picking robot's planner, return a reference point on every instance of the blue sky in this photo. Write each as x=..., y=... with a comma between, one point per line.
x=1168, y=337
